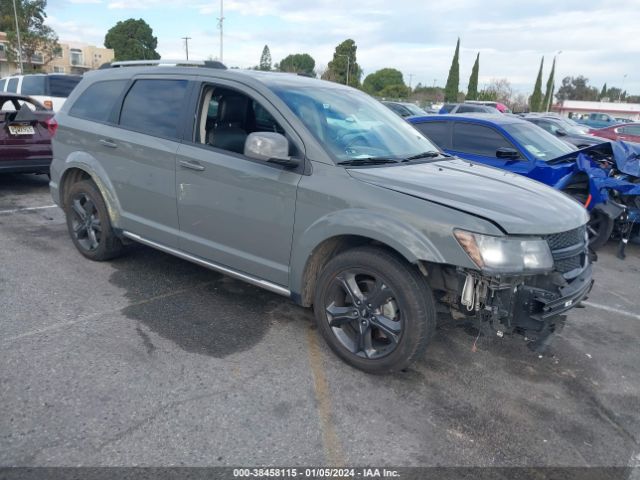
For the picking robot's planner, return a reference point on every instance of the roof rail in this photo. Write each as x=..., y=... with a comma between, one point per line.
x=166, y=63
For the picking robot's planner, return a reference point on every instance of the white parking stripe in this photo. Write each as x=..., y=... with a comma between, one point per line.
x=26, y=209
x=612, y=309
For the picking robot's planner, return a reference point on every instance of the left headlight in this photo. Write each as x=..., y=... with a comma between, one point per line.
x=506, y=254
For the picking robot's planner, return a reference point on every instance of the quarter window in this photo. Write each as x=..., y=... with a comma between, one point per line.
x=631, y=130
x=97, y=101
x=478, y=139
x=153, y=107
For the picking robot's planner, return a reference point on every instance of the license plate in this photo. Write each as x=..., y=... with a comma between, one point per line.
x=21, y=130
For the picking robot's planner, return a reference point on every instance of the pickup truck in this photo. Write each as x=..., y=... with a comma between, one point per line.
x=595, y=120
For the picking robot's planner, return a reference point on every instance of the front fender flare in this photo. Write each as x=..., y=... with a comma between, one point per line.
x=409, y=242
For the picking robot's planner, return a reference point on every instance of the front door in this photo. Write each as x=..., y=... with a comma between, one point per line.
x=233, y=210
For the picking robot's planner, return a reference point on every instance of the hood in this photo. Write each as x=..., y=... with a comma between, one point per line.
x=515, y=203
x=625, y=154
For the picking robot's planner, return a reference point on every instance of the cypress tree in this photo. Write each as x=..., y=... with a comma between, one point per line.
x=603, y=92
x=536, y=98
x=453, y=80
x=472, y=89
x=548, y=96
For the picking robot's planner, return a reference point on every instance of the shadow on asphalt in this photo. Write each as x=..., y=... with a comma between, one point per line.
x=22, y=184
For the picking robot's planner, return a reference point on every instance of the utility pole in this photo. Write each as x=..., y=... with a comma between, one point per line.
x=15, y=14
x=220, y=26
x=186, y=45
x=410, y=78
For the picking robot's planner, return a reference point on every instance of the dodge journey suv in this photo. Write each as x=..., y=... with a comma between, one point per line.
x=317, y=192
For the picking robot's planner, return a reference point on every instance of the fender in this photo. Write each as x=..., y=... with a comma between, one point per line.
x=407, y=240
x=92, y=167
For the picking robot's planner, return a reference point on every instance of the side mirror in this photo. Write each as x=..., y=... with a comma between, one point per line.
x=507, y=153
x=561, y=132
x=270, y=147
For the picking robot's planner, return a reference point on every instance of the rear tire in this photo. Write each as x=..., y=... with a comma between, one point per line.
x=375, y=311
x=88, y=222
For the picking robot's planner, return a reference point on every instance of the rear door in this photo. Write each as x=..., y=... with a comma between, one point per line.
x=233, y=210
x=480, y=143
x=139, y=155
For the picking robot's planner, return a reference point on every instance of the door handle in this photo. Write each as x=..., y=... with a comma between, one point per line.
x=108, y=143
x=191, y=165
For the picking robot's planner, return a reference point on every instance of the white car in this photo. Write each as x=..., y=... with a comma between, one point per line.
x=50, y=89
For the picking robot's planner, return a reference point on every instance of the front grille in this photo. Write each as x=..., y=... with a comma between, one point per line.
x=569, y=250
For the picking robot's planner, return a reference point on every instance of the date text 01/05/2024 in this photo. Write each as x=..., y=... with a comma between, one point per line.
x=315, y=473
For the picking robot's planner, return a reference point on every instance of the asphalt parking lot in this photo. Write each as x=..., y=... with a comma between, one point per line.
x=150, y=360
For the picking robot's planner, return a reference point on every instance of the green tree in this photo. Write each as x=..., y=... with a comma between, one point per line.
x=396, y=90
x=603, y=92
x=344, y=58
x=132, y=40
x=453, y=80
x=375, y=82
x=535, y=102
x=265, y=59
x=472, y=89
x=577, y=88
x=298, y=63
x=548, y=95
x=39, y=41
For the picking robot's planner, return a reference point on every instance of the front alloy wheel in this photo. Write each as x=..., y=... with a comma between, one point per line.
x=374, y=309
x=363, y=313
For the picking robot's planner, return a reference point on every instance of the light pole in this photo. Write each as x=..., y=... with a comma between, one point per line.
x=410, y=78
x=220, y=22
x=348, y=64
x=622, y=88
x=15, y=14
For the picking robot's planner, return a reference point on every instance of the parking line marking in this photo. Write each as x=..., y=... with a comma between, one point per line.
x=26, y=209
x=90, y=316
x=330, y=438
x=607, y=308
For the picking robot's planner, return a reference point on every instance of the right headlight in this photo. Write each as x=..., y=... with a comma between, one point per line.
x=506, y=254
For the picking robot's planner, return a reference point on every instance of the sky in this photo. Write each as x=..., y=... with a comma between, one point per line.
x=597, y=38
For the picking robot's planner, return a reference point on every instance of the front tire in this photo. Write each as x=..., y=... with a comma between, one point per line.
x=88, y=222
x=600, y=224
x=375, y=311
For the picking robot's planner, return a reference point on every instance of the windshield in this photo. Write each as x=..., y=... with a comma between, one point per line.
x=537, y=142
x=352, y=125
x=574, y=127
x=414, y=109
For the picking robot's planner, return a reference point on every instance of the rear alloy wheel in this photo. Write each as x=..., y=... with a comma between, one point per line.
x=375, y=311
x=88, y=222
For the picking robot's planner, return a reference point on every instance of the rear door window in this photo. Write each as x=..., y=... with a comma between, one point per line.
x=154, y=106
x=62, y=85
x=631, y=130
x=439, y=132
x=478, y=139
x=96, y=102
x=12, y=85
x=33, y=85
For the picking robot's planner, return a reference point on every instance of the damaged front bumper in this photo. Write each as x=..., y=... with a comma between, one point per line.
x=532, y=306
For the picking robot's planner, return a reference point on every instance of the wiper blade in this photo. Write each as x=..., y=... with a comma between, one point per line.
x=429, y=154
x=368, y=161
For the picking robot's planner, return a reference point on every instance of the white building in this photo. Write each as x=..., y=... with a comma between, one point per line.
x=617, y=110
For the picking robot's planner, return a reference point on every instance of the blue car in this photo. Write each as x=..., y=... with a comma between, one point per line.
x=590, y=175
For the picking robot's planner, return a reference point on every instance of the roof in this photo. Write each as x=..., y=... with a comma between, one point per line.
x=604, y=107
x=269, y=79
x=495, y=118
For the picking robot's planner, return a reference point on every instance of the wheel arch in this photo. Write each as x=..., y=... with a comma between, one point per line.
x=77, y=169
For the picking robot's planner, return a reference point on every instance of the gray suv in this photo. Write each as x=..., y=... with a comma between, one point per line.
x=317, y=192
